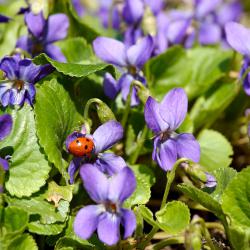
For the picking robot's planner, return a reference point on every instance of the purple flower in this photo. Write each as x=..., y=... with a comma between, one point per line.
x=4, y=19
x=109, y=194
x=130, y=59
x=163, y=119
x=43, y=33
x=21, y=75
x=211, y=181
x=238, y=38
x=103, y=138
x=78, y=7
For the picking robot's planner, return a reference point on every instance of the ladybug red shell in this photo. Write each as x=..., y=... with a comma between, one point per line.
x=81, y=146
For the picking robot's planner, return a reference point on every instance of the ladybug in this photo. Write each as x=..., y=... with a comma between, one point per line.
x=81, y=146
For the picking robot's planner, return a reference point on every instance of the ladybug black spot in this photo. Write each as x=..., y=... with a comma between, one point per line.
x=87, y=140
x=86, y=147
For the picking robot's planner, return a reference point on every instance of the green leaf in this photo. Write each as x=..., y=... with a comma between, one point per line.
x=187, y=126
x=54, y=127
x=23, y=242
x=74, y=69
x=147, y=215
x=28, y=169
x=174, y=217
x=216, y=150
x=236, y=199
x=202, y=198
x=46, y=229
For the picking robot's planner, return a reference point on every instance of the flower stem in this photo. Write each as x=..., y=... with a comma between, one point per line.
x=169, y=241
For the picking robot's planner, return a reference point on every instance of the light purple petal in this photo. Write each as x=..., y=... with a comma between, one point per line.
x=173, y=108
x=5, y=125
x=5, y=98
x=109, y=228
x=128, y=222
x=168, y=155
x=4, y=164
x=58, y=25
x=188, y=147
x=238, y=37
x=110, y=86
x=133, y=11
x=17, y=97
x=95, y=182
x=86, y=221
x=204, y=7
x=210, y=33
x=107, y=135
x=110, y=163
x=139, y=53
x=78, y=7
x=36, y=24
x=152, y=116
x=110, y=51
x=28, y=71
x=155, y=5
x=211, y=181
x=122, y=185
x=54, y=52
x=23, y=43
x=9, y=65
x=73, y=167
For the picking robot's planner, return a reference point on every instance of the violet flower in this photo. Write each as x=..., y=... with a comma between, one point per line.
x=43, y=33
x=4, y=19
x=163, y=119
x=103, y=138
x=130, y=59
x=78, y=7
x=109, y=194
x=21, y=75
x=238, y=38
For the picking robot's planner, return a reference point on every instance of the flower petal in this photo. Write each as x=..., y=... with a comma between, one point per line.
x=110, y=86
x=133, y=11
x=54, y=52
x=95, y=182
x=4, y=164
x=210, y=33
x=5, y=125
x=211, y=181
x=110, y=163
x=238, y=37
x=122, y=185
x=17, y=97
x=73, y=167
x=188, y=147
x=58, y=25
x=86, y=221
x=168, y=155
x=23, y=43
x=128, y=222
x=152, y=116
x=28, y=70
x=204, y=7
x=10, y=67
x=5, y=98
x=173, y=108
x=108, y=228
x=107, y=135
x=110, y=51
x=139, y=53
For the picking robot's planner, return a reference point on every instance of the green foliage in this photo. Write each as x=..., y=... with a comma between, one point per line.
x=23, y=242
x=216, y=150
x=28, y=168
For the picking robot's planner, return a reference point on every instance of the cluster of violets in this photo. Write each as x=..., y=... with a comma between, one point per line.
x=105, y=175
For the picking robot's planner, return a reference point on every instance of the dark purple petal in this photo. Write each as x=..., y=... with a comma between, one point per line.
x=152, y=116
x=108, y=228
x=58, y=25
x=95, y=182
x=86, y=221
x=4, y=164
x=211, y=181
x=54, y=52
x=110, y=86
x=168, y=154
x=128, y=222
x=139, y=53
x=122, y=185
x=44, y=71
x=238, y=37
x=4, y=19
x=9, y=65
x=30, y=93
x=132, y=35
x=110, y=51
x=110, y=163
x=107, y=135
x=173, y=108
x=36, y=24
x=246, y=84
x=73, y=167
x=210, y=33
x=5, y=125
x=28, y=71
x=73, y=136
x=133, y=11
x=188, y=147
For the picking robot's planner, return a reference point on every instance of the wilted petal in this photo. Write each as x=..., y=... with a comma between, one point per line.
x=139, y=53
x=122, y=185
x=173, y=108
x=210, y=33
x=238, y=37
x=188, y=147
x=95, y=182
x=107, y=135
x=109, y=228
x=54, y=52
x=168, y=155
x=133, y=11
x=58, y=25
x=128, y=222
x=86, y=221
x=110, y=86
x=5, y=125
x=9, y=65
x=110, y=51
